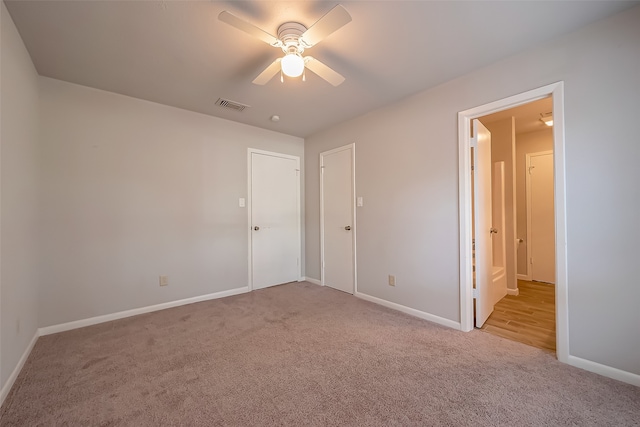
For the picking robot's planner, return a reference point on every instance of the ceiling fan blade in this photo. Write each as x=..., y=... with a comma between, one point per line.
x=268, y=73
x=248, y=28
x=330, y=22
x=323, y=71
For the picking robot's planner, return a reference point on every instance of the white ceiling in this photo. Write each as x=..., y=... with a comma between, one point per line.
x=177, y=52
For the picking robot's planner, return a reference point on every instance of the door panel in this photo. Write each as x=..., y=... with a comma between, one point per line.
x=542, y=240
x=337, y=219
x=275, y=232
x=482, y=222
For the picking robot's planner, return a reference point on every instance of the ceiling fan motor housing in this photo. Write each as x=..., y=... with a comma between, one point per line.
x=289, y=33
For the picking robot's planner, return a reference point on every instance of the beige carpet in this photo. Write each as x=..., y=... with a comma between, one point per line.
x=300, y=354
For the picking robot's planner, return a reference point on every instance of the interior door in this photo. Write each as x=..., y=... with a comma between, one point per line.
x=482, y=230
x=337, y=224
x=542, y=220
x=274, y=219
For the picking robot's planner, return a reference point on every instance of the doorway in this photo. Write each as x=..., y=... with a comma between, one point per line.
x=274, y=218
x=527, y=313
x=465, y=190
x=337, y=218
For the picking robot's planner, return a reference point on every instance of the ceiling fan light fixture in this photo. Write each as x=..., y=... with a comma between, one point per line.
x=292, y=65
x=547, y=119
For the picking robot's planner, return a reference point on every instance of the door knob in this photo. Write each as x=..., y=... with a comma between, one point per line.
x=348, y=227
x=256, y=228
x=493, y=231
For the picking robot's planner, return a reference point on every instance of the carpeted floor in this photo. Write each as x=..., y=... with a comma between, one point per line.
x=301, y=354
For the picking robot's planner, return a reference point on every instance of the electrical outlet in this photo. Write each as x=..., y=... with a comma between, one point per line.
x=392, y=280
x=164, y=280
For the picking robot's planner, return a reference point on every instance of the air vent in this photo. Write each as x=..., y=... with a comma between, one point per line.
x=232, y=105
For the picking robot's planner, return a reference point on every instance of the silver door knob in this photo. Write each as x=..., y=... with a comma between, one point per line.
x=256, y=228
x=348, y=227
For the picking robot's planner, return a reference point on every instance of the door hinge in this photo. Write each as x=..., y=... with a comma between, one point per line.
x=475, y=293
x=473, y=142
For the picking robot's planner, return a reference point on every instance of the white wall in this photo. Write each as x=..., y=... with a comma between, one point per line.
x=407, y=172
x=19, y=198
x=531, y=142
x=133, y=190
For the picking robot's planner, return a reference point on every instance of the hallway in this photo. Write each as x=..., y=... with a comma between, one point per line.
x=528, y=318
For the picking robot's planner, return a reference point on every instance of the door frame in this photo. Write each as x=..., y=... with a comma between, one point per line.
x=250, y=152
x=351, y=147
x=556, y=91
x=528, y=196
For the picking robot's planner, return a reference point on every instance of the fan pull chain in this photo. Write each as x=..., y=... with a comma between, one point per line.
x=281, y=77
x=304, y=75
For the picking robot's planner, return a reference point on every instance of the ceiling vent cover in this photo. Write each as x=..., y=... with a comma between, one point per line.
x=232, y=105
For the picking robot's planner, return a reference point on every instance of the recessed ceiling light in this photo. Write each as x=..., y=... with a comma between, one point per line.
x=547, y=119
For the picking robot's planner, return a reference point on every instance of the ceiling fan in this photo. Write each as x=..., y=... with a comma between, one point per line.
x=293, y=38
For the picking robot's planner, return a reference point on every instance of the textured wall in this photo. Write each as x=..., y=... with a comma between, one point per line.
x=133, y=190
x=407, y=172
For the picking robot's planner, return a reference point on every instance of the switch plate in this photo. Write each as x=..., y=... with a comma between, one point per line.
x=164, y=280
x=392, y=280
x=359, y=202
x=241, y=202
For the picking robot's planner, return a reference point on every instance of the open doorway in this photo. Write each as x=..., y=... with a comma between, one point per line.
x=469, y=293
x=522, y=208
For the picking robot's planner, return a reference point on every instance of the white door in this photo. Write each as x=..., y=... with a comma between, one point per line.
x=337, y=218
x=274, y=218
x=481, y=142
x=541, y=237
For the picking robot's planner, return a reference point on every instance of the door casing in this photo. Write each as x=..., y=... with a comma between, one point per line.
x=556, y=91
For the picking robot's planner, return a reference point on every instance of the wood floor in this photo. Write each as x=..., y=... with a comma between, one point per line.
x=528, y=318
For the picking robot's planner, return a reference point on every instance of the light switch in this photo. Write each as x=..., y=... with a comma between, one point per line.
x=241, y=202
x=359, y=202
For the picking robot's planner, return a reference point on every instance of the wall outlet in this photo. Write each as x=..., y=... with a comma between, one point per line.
x=164, y=280
x=392, y=280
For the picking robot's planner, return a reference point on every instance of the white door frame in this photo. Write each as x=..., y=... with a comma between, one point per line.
x=528, y=195
x=251, y=151
x=556, y=90
x=351, y=147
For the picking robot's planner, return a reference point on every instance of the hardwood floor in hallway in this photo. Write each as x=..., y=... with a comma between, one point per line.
x=529, y=318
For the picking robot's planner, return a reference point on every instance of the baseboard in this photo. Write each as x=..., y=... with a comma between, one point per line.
x=310, y=280
x=604, y=370
x=514, y=292
x=412, y=311
x=523, y=277
x=54, y=329
x=16, y=371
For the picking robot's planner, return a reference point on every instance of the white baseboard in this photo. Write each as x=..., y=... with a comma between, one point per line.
x=514, y=292
x=523, y=277
x=412, y=311
x=47, y=330
x=310, y=280
x=604, y=370
x=16, y=371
